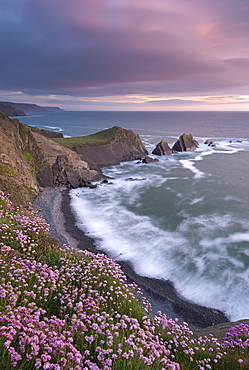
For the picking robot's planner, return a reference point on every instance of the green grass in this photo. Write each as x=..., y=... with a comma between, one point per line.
x=7, y=171
x=100, y=138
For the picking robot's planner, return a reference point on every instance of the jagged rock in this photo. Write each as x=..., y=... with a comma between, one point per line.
x=45, y=177
x=30, y=161
x=51, y=134
x=72, y=171
x=148, y=159
x=125, y=145
x=210, y=143
x=185, y=143
x=17, y=178
x=162, y=148
x=207, y=142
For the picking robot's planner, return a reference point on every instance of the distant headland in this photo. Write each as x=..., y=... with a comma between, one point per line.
x=20, y=109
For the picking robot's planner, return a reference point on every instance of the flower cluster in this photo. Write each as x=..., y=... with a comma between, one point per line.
x=20, y=229
x=66, y=309
x=237, y=337
x=69, y=318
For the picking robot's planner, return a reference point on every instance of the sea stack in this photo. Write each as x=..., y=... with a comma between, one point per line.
x=185, y=143
x=162, y=148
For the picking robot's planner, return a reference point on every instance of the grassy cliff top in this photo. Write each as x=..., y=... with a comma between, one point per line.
x=100, y=138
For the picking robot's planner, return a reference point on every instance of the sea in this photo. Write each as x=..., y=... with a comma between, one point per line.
x=184, y=218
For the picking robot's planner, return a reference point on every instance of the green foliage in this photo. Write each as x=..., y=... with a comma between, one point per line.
x=61, y=306
x=100, y=138
x=7, y=171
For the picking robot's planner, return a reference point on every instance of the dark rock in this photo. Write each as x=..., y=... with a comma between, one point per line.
x=52, y=134
x=45, y=177
x=207, y=142
x=210, y=143
x=162, y=148
x=92, y=186
x=73, y=172
x=185, y=143
x=148, y=159
x=134, y=179
x=125, y=145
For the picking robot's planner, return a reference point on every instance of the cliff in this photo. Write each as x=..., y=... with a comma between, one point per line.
x=10, y=111
x=19, y=109
x=108, y=147
x=30, y=161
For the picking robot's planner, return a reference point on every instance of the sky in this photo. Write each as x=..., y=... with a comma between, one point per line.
x=126, y=54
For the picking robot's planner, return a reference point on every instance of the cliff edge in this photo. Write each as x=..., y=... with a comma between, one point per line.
x=31, y=161
x=107, y=147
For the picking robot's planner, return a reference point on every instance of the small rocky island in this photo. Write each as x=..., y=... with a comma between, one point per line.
x=185, y=143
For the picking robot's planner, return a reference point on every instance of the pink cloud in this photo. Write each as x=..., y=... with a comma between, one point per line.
x=109, y=46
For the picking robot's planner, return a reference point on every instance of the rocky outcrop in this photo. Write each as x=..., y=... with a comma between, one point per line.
x=148, y=159
x=210, y=143
x=124, y=145
x=73, y=172
x=162, y=148
x=62, y=166
x=51, y=134
x=30, y=161
x=17, y=177
x=185, y=143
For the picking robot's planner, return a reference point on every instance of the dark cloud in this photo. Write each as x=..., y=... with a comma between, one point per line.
x=98, y=48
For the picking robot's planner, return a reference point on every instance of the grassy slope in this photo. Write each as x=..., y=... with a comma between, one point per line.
x=100, y=138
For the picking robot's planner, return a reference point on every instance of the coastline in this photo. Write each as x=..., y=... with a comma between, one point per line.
x=53, y=205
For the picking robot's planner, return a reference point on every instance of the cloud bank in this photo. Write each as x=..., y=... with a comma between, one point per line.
x=83, y=52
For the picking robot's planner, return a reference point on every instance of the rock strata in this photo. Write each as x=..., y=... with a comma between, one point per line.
x=30, y=161
x=185, y=143
x=162, y=148
x=125, y=145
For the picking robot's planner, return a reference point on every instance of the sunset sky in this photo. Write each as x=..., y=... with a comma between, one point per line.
x=126, y=54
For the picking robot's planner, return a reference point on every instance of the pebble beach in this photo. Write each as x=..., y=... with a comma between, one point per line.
x=53, y=205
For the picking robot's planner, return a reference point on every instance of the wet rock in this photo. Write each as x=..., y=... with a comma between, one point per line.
x=134, y=179
x=185, y=143
x=162, y=148
x=210, y=143
x=148, y=159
